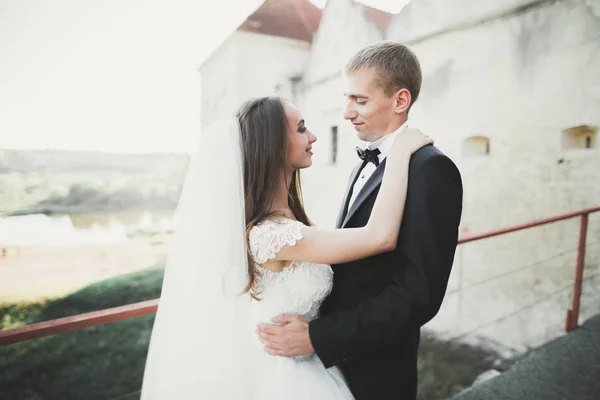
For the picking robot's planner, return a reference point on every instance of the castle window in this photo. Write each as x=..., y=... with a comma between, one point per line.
x=334, y=144
x=476, y=146
x=580, y=137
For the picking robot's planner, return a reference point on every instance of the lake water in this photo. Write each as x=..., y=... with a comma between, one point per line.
x=96, y=228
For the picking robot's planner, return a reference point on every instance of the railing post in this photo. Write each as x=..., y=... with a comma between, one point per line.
x=573, y=314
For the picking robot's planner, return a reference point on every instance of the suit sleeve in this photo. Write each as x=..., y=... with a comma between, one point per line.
x=427, y=242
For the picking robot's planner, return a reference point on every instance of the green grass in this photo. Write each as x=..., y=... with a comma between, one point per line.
x=102, y=362
x=107, y=361
x=448, y=367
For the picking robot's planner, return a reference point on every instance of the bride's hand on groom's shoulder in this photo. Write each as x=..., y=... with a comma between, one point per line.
x=411, y=140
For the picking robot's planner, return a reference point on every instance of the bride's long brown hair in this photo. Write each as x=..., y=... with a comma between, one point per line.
x=264, y=130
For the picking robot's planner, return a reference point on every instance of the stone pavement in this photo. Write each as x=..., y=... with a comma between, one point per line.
x=567, y=368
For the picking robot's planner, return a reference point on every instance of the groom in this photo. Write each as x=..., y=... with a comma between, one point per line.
x=370, y=324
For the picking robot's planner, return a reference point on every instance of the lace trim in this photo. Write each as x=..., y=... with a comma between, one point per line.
x=268, y=238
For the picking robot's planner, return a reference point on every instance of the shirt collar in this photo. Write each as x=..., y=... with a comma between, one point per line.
x=384, y=144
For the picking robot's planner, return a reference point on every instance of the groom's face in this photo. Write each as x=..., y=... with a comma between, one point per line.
x=369, y=110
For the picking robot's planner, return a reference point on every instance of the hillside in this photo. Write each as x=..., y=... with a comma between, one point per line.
x=80, y=182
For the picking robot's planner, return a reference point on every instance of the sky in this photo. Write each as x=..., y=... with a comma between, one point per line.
x=111, y=75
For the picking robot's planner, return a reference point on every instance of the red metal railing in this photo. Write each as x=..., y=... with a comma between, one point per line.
x=572, y=319
x=72, y=323
x=34, y=331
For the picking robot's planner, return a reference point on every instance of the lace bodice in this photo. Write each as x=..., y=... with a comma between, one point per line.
x=301, y=287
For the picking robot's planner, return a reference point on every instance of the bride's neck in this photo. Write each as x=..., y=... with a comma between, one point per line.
x=280, y=202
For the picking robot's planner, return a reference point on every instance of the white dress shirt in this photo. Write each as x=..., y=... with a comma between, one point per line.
x=384, y=145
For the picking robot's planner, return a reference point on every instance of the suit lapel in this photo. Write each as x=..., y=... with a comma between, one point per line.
x=373, y=182
x=341, y=215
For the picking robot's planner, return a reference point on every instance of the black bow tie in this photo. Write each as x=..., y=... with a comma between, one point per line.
x=369, y=155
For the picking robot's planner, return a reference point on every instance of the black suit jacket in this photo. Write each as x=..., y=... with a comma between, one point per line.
x=370, y=324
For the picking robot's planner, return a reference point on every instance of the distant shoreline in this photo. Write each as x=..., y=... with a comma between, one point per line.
x=70, y=210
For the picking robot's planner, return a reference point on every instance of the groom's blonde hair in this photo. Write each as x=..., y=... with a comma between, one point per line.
x=396, y=65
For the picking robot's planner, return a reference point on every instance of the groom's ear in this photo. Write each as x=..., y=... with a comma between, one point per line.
x=402, y=101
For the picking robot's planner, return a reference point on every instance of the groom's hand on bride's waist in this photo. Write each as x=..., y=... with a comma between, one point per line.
x=288, y=337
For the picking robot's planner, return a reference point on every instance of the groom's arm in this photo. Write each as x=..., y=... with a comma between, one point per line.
x=428, y=242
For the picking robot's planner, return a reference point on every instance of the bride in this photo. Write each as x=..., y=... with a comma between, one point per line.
x=245, y=251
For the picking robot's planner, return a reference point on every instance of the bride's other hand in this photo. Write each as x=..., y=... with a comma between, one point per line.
x=411, y=140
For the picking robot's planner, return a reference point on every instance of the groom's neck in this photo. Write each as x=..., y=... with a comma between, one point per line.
x=392, y=127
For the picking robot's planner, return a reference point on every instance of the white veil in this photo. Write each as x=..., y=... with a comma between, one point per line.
x=200, y=342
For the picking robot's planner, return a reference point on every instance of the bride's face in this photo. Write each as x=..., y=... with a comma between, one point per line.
x=300, y=139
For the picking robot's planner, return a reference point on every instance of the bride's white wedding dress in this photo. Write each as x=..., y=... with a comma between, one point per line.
x=204, y=343
x=298, y=289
